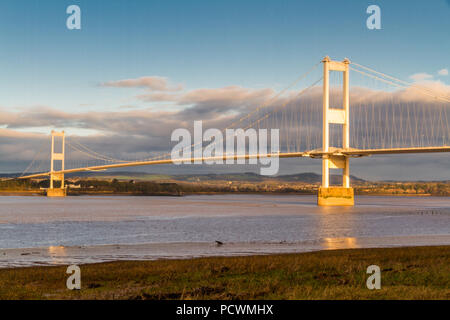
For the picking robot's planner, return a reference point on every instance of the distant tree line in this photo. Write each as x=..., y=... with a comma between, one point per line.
x=83, y=186
x=116, y=186
x=18, y=185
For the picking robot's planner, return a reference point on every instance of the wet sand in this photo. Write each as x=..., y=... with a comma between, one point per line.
x=60, y=255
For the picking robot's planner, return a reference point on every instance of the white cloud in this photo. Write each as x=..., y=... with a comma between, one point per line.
x=153, y=83
x=443, y=72
x=135, y=129
x=421, y=76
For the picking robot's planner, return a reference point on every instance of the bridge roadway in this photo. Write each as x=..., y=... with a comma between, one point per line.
x=307, y=154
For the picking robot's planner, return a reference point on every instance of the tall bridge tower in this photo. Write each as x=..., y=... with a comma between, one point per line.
x=344, y=195
x=57, y=156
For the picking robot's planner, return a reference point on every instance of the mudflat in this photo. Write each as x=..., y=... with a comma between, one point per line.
x=406, y=273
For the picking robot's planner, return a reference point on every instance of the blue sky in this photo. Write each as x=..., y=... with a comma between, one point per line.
x=250, y=44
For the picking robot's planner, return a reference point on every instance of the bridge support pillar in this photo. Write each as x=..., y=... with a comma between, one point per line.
x=56, y=192
x=335, y=196
x=57, y=156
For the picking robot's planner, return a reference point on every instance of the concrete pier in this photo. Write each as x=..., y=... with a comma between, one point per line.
x=56, y=192
x=336, y=196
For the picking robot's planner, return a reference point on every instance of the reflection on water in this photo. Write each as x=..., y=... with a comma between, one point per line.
x=337, y=224
x=57, y=251
x=57, y=254
x=340, y=243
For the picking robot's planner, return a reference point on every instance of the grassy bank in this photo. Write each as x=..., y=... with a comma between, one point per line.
x=406, y=273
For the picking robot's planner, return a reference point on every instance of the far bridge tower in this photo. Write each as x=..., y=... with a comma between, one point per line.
x=57, y=156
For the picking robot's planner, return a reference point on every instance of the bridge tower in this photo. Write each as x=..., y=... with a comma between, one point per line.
x=344, y=195
x=57, y=156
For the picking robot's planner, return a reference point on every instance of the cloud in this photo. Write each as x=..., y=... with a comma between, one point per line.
x=443, y=72
x=158, y=97
x=214, y=106
x=136, y=133
x=421, y=76
x=432, y=89
x=152, y=83
x=213, y=103
x=229, y=95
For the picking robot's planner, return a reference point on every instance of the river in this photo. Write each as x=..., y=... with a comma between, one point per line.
x=84, y=229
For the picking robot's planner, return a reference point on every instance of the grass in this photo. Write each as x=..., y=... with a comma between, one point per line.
x=406, y=273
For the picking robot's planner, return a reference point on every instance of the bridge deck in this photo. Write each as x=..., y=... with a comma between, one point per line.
x=311, y=154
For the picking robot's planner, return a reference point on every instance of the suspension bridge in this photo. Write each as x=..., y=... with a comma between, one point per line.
x=327, y=119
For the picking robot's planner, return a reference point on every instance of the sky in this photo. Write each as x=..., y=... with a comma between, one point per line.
x=149, y=63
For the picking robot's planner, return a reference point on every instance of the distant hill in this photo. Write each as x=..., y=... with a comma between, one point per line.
x=306, y=177
x=309, y=177
x=9, y=175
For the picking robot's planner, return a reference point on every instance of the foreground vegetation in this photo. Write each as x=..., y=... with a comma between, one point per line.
x=406, y=273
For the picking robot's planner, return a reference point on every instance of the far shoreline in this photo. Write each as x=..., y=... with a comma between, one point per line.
x=40, y=194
